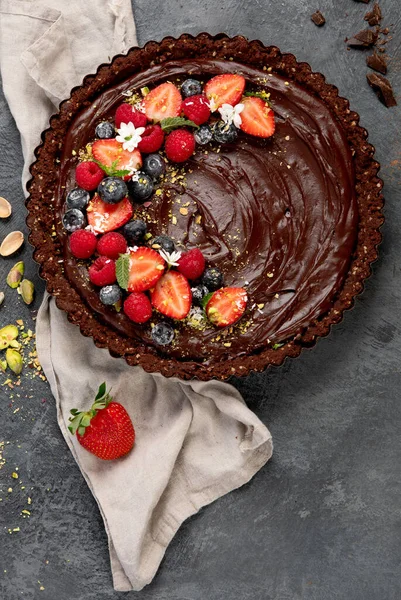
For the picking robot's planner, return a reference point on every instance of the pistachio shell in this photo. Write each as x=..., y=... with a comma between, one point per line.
x=11, y=243
x=7, y=335
x=26, y=289
x=14, y=360
x=15, y=275
x=5, y=208
x=1, y=298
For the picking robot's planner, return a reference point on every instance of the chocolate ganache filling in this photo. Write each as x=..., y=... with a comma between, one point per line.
x=276, y=216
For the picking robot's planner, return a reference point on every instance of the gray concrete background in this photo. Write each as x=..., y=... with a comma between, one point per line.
x=321, y=521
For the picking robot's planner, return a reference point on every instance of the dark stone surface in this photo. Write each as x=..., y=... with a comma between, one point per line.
x=321, y=521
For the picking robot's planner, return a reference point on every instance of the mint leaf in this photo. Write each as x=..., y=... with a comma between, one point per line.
x=122, y=270
x=112, y=171
x=175, y=122
x=206, y=299
x=262, y=94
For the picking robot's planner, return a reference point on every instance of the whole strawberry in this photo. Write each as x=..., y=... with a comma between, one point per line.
x=106, y=429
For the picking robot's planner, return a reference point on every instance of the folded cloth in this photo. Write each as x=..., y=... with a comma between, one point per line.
x=195, y=441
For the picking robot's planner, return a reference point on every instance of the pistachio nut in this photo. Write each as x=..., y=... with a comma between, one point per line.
x=5, y=208
x=11, y=243
x=26, y=289
x=15, y=275
x=7, y=335
x=14, y=360
x=3, y=365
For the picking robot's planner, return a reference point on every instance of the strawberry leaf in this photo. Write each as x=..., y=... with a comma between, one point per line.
x=101, y=391
x=122, y=270
x=172, y=123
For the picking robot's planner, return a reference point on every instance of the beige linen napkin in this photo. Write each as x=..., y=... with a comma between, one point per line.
x=195, y=441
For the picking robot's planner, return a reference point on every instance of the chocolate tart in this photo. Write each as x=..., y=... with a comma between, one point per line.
x=295, y=218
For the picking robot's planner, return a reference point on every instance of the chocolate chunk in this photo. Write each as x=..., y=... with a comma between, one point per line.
x=318, y=18
x=364, y=39
x=383, y=88
x=377, y=63
x=374, y=16
x=385, y=31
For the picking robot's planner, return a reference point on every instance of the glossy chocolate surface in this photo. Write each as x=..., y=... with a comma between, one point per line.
x=278, y=216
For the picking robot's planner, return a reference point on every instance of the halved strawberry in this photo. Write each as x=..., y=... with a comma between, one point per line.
x=225, y=89
x=162, y=102
x=172, y=295
x=257, y=118
x=226, y=306
x=109, y=151
x=104, y=217
x=146, y=266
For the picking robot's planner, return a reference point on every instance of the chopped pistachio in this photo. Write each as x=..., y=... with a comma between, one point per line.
x=7, y=335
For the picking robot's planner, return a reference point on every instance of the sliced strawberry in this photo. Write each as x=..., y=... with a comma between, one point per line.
x=162, y=102
x=257, y=118
x=172, y=295
x=104, y=217
x=225, y=89
x=146, y=268
x=109, y=151
x=226, y=306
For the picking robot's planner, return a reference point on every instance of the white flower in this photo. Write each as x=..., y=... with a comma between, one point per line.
x=129, y=136
x=128, y=93
x=231, y=114
x=171, y=258
x=212, y=105
x=132, y=168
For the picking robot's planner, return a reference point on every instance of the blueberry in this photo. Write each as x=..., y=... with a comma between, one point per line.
x=163, y=242
x=213, y=279
x=141, y=189
x=198, y=293
x=110, y=294
x=112, y=190
x=154, y=165
x=73, y=219
x=162, y=334
x=104, y=130
x=203, y=135
x=191, y=87
x=134, y=231
x=78, y=198
x=223, y=133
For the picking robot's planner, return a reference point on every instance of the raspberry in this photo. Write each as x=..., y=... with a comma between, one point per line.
x=126, y=113
x=180, y=145
x=152, y=139
x=112, y=244
x=138, y=308
x=102, y=271
x=88, y=175
x=82, y=243
x=196, y=108
x=192, y=264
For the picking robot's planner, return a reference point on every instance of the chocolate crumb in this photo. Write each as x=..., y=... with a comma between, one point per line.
x=364, y=39
x=318, y=18
x=374, y=16
x=385, y=31
x=383, y=88
x=377, y=63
